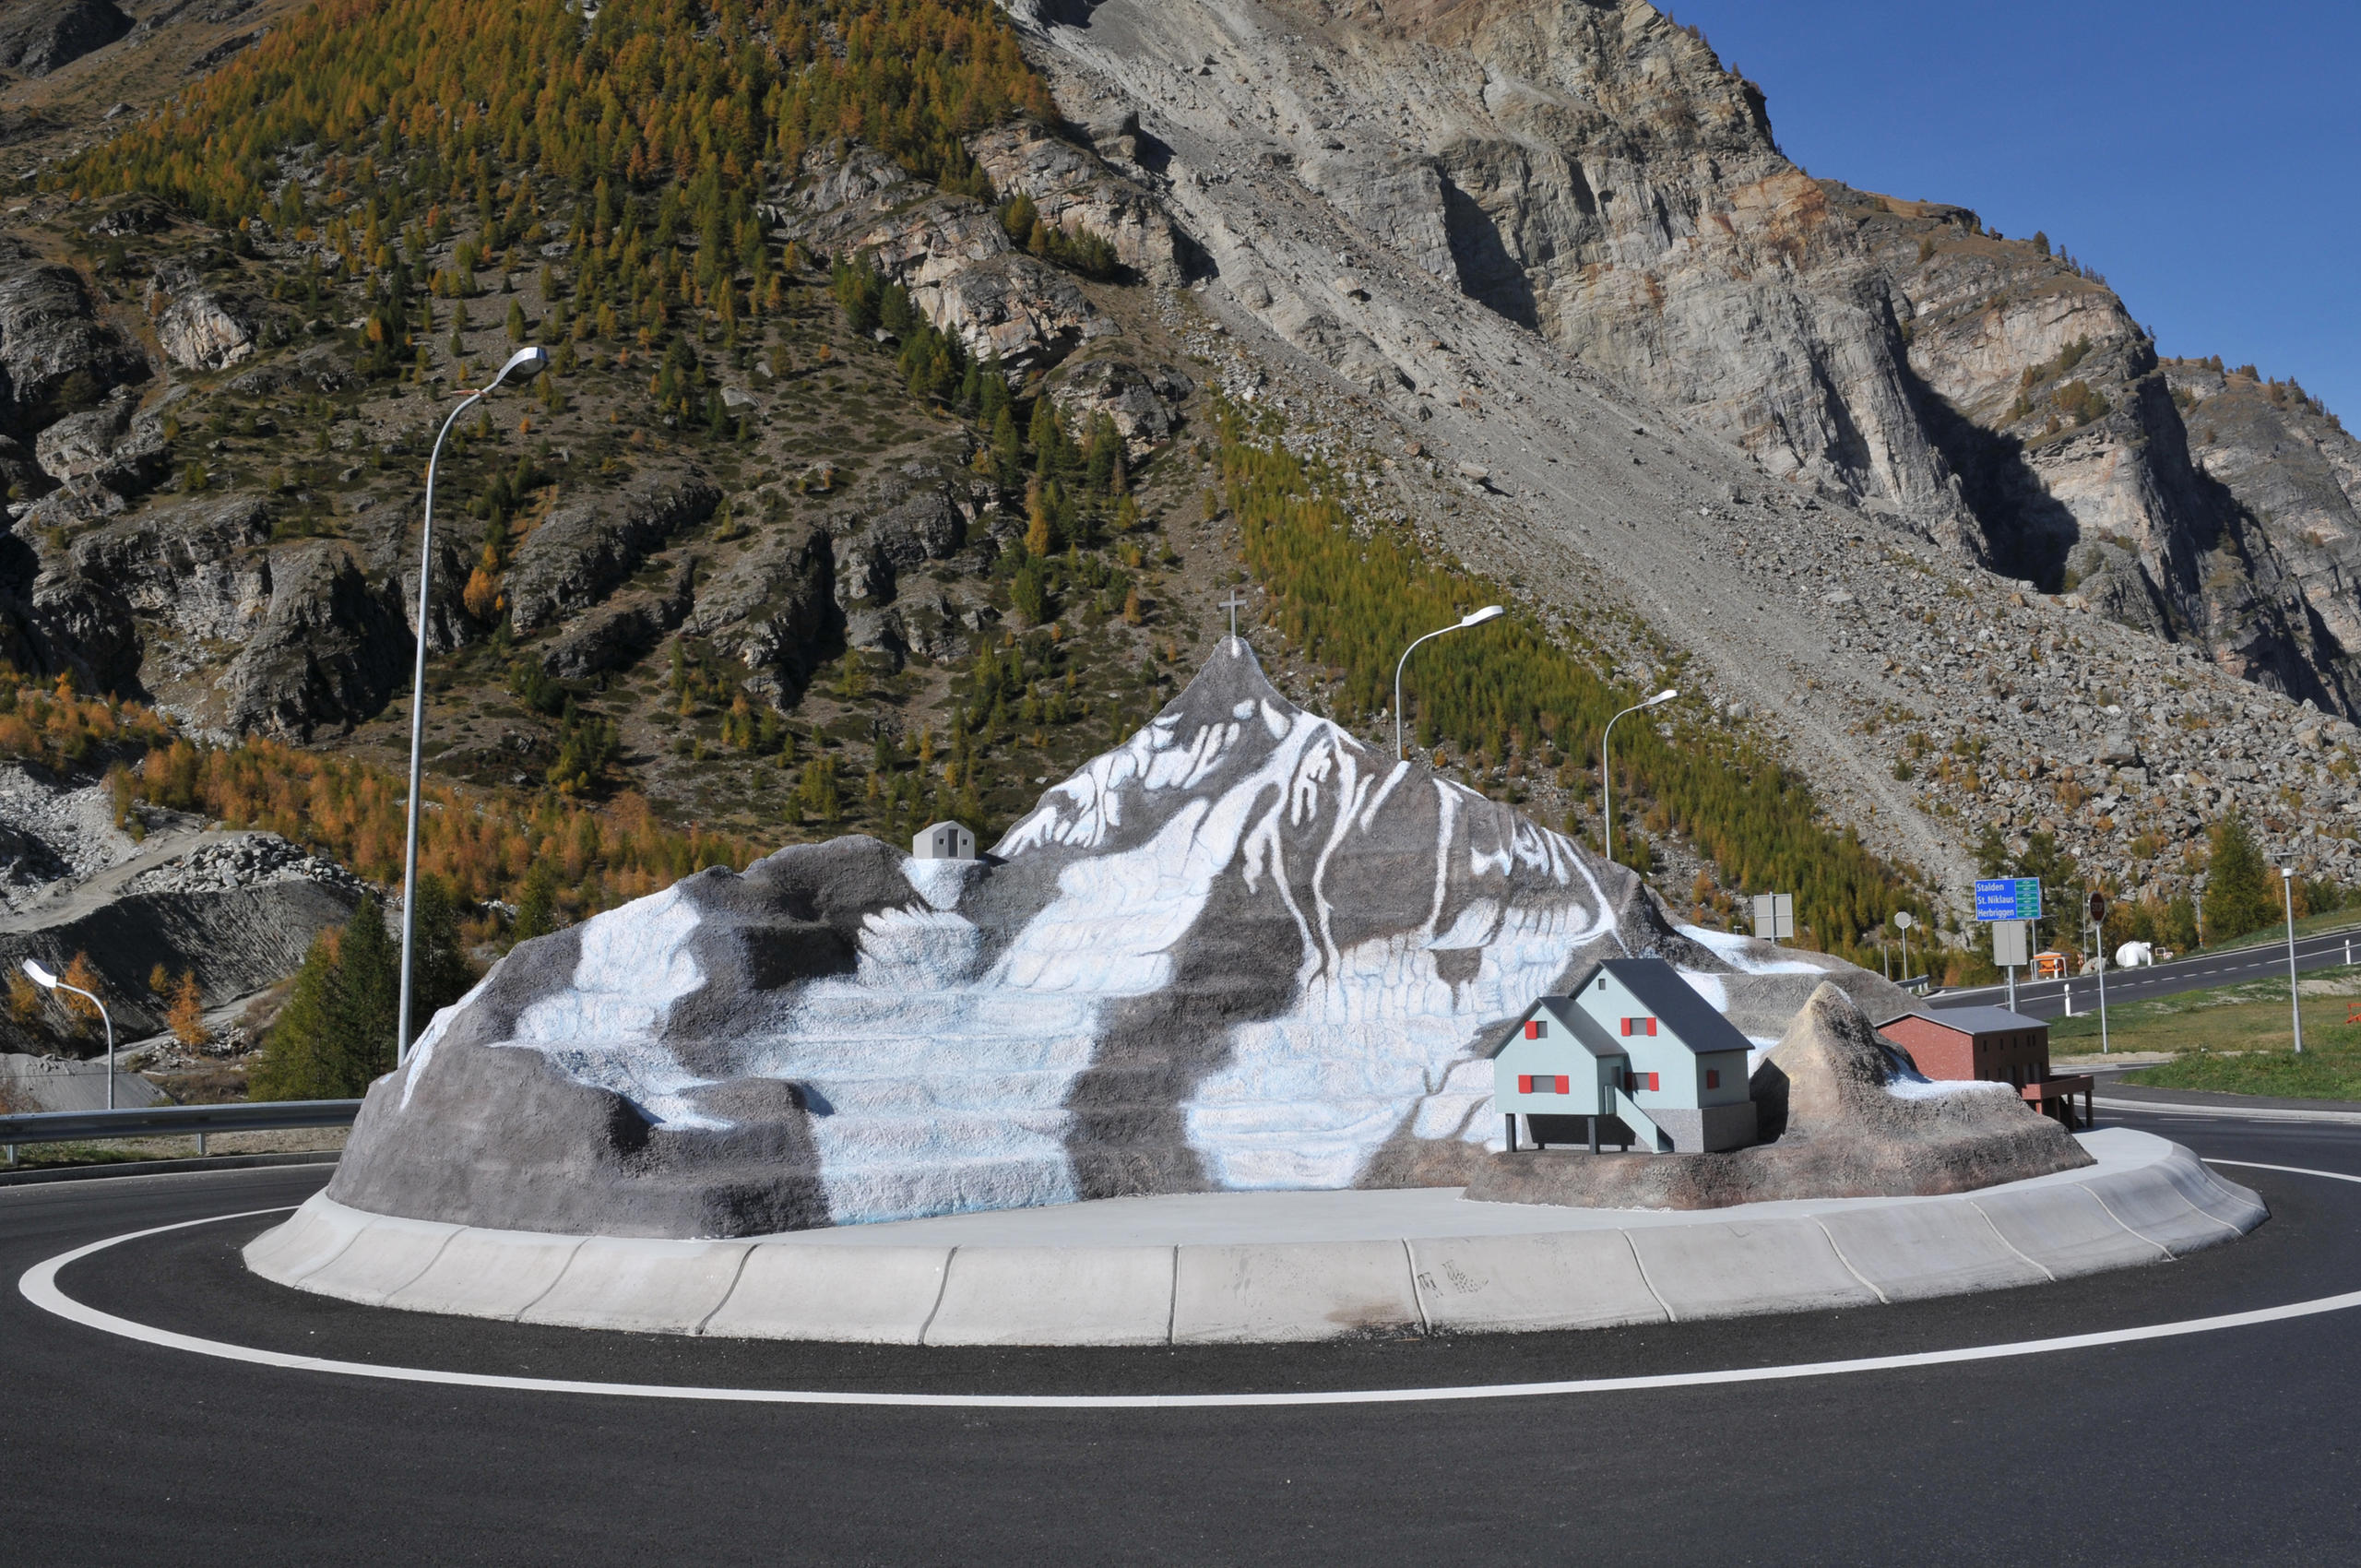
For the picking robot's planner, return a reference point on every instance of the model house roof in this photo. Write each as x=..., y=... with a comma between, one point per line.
x=1972, y=1020
x=1694, y=1021
x=1580, y=1026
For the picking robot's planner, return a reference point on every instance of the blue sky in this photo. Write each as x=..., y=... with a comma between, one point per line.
x=2206, y=157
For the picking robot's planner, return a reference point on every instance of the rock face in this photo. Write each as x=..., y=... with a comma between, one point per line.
x=1845, y=1114
x=1594, y=176
x=1075, y=190
x=1240, y=952
x=951, y=253
x=331, y=647
x=54, y=354
x=571, y=561
x=39, y=38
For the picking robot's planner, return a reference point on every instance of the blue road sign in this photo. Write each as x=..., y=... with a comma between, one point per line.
x=2007, y=899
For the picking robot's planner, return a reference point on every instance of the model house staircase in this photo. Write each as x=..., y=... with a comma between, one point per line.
x=1629, y=1110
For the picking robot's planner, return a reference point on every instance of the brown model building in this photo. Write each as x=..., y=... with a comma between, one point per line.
x=1993, y=1045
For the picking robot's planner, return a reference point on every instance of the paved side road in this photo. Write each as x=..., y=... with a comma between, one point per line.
x=2205, y=1449
x=2048, y=999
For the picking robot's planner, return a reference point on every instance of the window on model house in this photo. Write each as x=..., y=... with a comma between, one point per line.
x=1639, y=1026
x=1541, y=1083
x=1712, y=1078
x=1536, y=1028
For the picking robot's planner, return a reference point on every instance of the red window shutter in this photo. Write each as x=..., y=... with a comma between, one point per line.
x=1627, y=1025
x=1524, y=1083
x=1651, y=1026
x=1712, y=1078
x=1563, y=1087
x=1652, y=1084
x=1533, y=1028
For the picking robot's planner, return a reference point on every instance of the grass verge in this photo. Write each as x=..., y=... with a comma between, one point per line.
x=2237, y=1039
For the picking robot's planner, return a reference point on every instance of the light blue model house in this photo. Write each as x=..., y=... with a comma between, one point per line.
x=1630, y=1043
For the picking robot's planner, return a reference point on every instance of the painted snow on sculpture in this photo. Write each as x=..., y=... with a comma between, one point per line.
x=1744, y=952
x=606, y=1031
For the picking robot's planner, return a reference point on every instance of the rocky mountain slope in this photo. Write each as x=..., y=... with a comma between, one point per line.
x=1556, y=242
x=234, y=908
x=1243, y=951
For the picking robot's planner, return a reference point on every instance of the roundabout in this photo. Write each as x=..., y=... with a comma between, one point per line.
x=2173, y=1412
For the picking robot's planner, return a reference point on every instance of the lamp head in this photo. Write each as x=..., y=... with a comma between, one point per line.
x=1477, y=617
x=529, y=361
x=1661, y=698
x=41, y=977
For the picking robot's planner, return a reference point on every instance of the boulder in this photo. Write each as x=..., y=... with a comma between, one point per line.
x=1844, y=1113
x=198, y=328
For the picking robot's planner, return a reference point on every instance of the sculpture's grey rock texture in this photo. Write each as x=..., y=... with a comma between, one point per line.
x=1241, y=951
x=1844, y=1115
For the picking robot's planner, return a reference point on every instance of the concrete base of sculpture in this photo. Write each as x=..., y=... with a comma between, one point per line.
x=1281, y=1266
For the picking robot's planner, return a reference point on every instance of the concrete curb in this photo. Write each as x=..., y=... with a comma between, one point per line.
x=1273, y=1268
x=2235, y=1112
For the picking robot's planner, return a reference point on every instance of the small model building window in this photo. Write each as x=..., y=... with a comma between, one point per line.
x=1639, y=1026
x=1635, y=1082
x=1712, y=1078
x=1534, y=1029
x=1541, y=1083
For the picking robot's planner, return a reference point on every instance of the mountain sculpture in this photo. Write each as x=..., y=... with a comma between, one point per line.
x=1241, y=951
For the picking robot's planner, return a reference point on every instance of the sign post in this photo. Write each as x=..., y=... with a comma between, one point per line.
x=2011, y=904
x=2011, y=945
x=1903, y=922
x=1774, y=916
x=2099, y=941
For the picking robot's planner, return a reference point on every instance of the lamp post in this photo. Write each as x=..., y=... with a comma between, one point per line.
x=1473, y=618
x=48, y=981
x=532, y=361
x=2295, y=990
x=1606, y=780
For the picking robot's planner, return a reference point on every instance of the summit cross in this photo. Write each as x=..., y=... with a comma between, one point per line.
x=1234, y=603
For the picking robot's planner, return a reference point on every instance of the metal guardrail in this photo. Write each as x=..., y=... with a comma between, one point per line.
x=174, y=1120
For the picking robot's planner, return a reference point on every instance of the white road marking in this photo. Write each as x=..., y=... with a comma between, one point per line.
x=39, y=1286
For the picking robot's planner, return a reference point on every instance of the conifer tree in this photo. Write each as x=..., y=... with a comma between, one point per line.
x=2238, y=895
x=186, y=1018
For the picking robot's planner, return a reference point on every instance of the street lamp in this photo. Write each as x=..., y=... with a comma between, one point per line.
x=2295, y=990
x=531, y=361
x=48, y=981
x=1605, y=780
x=1473, y=618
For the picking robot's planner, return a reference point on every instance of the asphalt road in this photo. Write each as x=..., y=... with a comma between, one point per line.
x=2048, y=999
x=2231, y=1446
